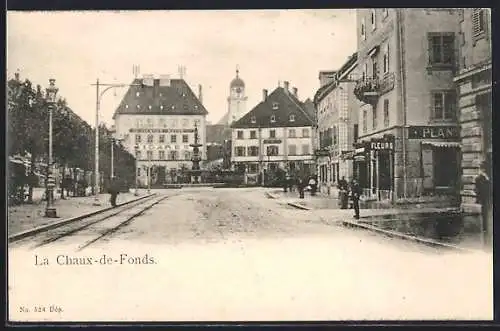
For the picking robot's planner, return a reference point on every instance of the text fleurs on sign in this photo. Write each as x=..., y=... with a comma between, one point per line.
x=83, y=260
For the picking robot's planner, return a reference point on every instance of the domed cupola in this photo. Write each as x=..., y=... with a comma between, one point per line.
x=237, y=82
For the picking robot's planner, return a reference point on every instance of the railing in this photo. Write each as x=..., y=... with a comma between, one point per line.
x=369, y=89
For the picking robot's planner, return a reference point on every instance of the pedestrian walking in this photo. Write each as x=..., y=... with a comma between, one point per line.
x=286, y=183
x=355, y=193
x=344, y=193
x=113, y=191
x=300, y=187
x=484, y=198
x=313, y=185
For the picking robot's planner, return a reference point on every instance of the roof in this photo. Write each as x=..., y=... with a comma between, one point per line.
x=288, y=105
x=217, y=133
x=237, y=82
x=224, y=119
x=175, y=99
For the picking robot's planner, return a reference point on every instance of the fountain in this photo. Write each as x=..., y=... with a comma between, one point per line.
x=195, y=170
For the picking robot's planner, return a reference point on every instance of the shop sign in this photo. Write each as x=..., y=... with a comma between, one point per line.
x=272, y=141
x=161, y=130
x=322, y=152
x=433, y=132
x=381, y=145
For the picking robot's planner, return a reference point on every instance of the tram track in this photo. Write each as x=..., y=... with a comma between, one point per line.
x=95, y=226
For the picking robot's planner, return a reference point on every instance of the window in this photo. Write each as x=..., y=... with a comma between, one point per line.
x=385, y=12
x=461, y=15
x=272, y=150
x=138, y=106
x=253, y=168
x=161, y=107
x=138, y=155
x=239, y=134
x=334, y=135
x=138, y=172
x=173, y=155
x=150, y=138
x=478, y=22
x=291, y=133
x=185, y=123
x=173, y=138
x=373, y=20
x=126, y=106
x=253, y=119
x=137, y=94
x=149, y=155
x=174, y=123
x=272, y=133
x=161, y=155
x=276, y=105
x=305, y=133
x=446, y=167
x=305, y=149
x=356, y=132
x=374, y=118
x=240, y=151
x=365, y=71
x=386, y=58
x=441, y=49
x=197, y=122
x=187, y=155
x=253, y=134
x=363, y=32
x=150, y=123
x=253, y=151
x=185, y=138
x=292, y=118
x=161, y=138
x=364, y=120
x=273, y=118
x=386, y=113
x=161, y=123
x=292, y=150
x=374, y=67
x=137, y=138
x=443, y=105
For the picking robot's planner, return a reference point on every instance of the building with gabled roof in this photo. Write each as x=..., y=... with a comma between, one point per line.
x=275, y=134
x=156, y=121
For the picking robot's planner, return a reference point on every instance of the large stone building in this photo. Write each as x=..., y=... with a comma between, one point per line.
x=337, y=127
x=156, y=122
x=474, y=84
x=409, y=141
x=236, y=101
x=275, y=134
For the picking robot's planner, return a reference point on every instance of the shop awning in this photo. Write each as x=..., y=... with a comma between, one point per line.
x=444, y=144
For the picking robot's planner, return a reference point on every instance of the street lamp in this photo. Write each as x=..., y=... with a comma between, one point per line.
x=50, y=210
x=98, y=105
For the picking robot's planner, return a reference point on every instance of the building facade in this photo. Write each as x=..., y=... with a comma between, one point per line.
x=474, y=83
x=275, y=134
x=337, y=113
x=156, y=123
x=409, y=141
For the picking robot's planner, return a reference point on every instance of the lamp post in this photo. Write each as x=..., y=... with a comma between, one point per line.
x=136, y=148
x=98, y=105
x=50, y=210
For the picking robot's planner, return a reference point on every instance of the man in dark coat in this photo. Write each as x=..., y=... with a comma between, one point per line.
x=300, y=187
x=114, y=190
x=344, y=190
x=484, y=197
x=356, y=193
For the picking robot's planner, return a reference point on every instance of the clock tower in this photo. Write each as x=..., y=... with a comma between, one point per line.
x=237, y=100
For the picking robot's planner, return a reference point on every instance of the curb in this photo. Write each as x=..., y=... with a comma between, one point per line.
x=27, y=233
x=399, y=235
x=298, y=206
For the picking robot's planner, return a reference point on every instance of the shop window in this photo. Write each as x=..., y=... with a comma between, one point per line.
x=446, y=167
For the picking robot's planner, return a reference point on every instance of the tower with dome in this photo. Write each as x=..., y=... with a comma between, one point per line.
x=236, y=101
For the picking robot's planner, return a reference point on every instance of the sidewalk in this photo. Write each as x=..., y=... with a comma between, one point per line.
x=27, y=216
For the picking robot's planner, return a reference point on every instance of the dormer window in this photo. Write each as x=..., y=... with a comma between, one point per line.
x=195, y=106
x=138, y=106
x=183, y=95
x=126, y=106
x=292, y=118
x=161, y=94
x=149, y=106
x=273, y=119
x=137, y=94
x=173, y=107
x=161, y=107
x=276, y=105
x=253, y=119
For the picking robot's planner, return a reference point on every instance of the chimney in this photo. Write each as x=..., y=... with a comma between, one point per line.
x=200, y=95
x=286, y=85
x=295, y=90
x=264, y=95
x=148, y=80
x=164, y=80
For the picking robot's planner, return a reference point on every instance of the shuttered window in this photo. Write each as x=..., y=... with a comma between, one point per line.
x=478, y=22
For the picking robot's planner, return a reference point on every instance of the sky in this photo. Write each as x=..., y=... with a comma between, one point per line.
x=268, y=46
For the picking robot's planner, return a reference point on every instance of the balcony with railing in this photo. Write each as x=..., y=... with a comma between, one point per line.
x=369, y=89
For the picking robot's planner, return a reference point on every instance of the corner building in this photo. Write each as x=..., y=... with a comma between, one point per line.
x=156, y=120
x=409, y=138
